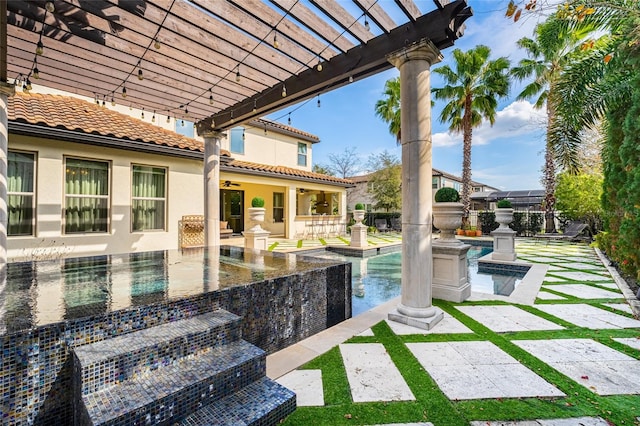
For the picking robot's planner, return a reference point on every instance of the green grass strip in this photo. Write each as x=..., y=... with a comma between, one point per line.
x=344, y=240
x=322, y=241
x=273, y=246
x=299, y=245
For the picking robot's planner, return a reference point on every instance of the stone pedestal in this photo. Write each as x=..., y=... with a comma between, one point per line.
x=256, y=238
x=359, y=236
x=450, y=272
x=504, y=244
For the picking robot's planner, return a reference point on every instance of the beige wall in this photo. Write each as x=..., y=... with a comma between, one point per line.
x=185, y=196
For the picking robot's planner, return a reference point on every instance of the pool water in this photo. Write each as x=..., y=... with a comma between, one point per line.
x=377, y=279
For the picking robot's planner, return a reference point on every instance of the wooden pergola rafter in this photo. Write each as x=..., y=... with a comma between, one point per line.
x=95, y=48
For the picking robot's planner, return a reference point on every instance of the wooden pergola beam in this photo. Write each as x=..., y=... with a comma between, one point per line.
x=442, y=27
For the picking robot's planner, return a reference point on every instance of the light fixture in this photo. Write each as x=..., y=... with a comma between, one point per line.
x=350, y=79
x=29, y=87
x=124, y=92
x=318, y=101
x=156, y=44
x=142, y=114
x=39, y=47
x=113, y=101
x=238, y=74
x=210, y=97
x=186, y=112
x=103, y=102
x=153, y=117
x=289, y=120
x=36, y=73
x=182, y=122
x=319, y=66
x=275, y=40
x=25, y=88
x=97, y=100
x=130, y=107
x=255, y=105
x=284, y=91
x=49, y=6
x=366, y=23
x=140, y=75
x=231, y=119
x=168, y=119
x=242, y=134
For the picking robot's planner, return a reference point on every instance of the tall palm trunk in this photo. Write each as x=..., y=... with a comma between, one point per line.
x=466, y=160
x=550, y=170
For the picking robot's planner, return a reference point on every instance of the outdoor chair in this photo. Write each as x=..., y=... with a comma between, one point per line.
x=396, y=224
x=381, y=225
x=574, y=231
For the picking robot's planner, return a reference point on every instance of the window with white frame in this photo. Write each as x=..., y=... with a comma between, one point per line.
x=434, y=182
x=86, y=193
x=236, y=145
x=148, y=198
x=20, y=193
x=302, y=154
x=278, y=206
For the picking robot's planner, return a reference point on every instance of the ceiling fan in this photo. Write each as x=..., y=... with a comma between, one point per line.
x=228, y=183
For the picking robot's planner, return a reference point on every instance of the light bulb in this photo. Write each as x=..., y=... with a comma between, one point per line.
x=238, y=75
x=49, y=6
x=39, y=48
x=319, y=66
x=210, y=99
x=29, y=87
x=366, y=23
x=113, y=101
x=36, y=73
x=142, y=114
x=124, y=92
x=140, y=76
x=182, y=123
x=289, y=120
x=284, y=91
x=255, y=105
x=153, y=117
x=168, y=119
x=103, y=103
x=350, y=79
x=156, y=44
x=318, y=101
x=275, y=41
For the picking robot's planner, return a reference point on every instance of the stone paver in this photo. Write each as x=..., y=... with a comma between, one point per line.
x=574, y=421
x=505, y=318
x=543, y=295
x=478, y=370
x=583, y=276
x=584, y=291
x=634, y=342
x=588, y=316
x=597, y=367
x=623, y=307
x=551, y=279
x=581, y=266
x=372, y=374
x=448, y=325
x=307, y=384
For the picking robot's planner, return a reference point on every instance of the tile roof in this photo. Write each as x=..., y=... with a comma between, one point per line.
x=77, y=115
x=260, y=122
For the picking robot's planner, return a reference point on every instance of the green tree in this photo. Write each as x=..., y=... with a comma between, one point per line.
x=578, y=197
x=388, y=108
x=554, y=47
x=385, y=184
x=472, y=89
x=320, y=168
x=344, y=164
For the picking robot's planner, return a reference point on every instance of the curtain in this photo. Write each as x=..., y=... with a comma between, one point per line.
x=87, y=196
x=20, y=197
x=148, y=193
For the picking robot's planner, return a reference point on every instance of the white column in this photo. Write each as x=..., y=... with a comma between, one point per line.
x=415, y=306
x=291, y=211
x=6, y=90
x=212, y=188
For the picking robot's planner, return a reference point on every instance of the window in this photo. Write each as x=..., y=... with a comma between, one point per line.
x=86, y=193
x=302, y=154
x=434, y=181
x=278, y=206
x=371, y=186
x=20, y=193
x=184, y=128
x=148, y=198
x=237, y=140
x=456, y=186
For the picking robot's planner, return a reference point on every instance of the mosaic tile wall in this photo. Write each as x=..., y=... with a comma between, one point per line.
x=35, y=368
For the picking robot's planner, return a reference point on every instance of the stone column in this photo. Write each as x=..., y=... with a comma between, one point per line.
x=6, y=90
x=415, y=306
x=212, y=188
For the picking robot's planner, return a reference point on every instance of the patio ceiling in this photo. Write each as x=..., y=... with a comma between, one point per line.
x=214, y=62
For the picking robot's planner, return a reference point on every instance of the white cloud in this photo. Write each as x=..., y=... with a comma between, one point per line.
x=445, y=139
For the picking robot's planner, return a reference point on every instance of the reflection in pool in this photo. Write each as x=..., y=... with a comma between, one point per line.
x=376, y=279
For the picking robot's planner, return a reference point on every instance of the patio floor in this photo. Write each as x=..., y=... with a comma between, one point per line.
x=572, y=357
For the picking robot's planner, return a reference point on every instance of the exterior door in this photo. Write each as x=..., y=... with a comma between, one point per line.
x=232, y=209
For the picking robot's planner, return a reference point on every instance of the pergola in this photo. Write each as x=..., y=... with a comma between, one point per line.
x=220, y=63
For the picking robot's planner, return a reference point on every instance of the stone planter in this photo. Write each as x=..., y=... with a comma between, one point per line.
x=256, y=214
x=358, y=216
x=504, y=216
x=447, y=217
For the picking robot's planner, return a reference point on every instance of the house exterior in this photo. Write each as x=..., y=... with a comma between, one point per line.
x=362, y=185
x=86, y=179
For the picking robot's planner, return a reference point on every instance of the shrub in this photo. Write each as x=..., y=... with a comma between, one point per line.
x=504, y=204
x=359, y=206
x=257, y=202
x=447, y=195
x=487, y=221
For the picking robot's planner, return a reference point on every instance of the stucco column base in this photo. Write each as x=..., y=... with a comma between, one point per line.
x=416, y=317
x=450, y=272
x=504, y=244
x=256, y=239
x=359, y=236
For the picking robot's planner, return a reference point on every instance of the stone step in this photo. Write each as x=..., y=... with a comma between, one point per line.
x=262, y=403
x=176, y=390
x=111, y=361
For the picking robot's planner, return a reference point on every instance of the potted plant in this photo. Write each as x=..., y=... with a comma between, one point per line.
x=447, y=214
x=504, y=213
x=358, y=213
x=471, y=232
x=256, y=211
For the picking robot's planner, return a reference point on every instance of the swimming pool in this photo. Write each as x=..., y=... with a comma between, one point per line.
x=376, y=279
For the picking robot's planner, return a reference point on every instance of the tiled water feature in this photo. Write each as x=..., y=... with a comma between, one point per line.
x=50, y=308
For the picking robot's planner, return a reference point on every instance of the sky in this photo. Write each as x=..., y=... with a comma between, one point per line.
x=508, y=156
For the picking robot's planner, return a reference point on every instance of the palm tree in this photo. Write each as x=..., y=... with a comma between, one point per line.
x=554, y=48
x=388, y=108
x=472, y=90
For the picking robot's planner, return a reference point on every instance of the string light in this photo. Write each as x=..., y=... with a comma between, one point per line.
x=124, y=92
x=284, y=91
x=255, y=105
x=366, y=23
x=182, y=122
x=350, y=79
x=29, y=87
x=210, y=97
x=156, y=44
x=319, y=66
x=275, y=40
x=142, y=114
x=153, y=117
x=318, y=101
x=39, y=46
x=168, y=119
x=140, y=75
x=289, y=120
x=104, y=104
x=36, y=71
x=130, y=107
x=113, y=101
x=50, y=6
x=238, y=74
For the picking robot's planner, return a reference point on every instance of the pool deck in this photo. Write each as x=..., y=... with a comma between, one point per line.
x=566, y=351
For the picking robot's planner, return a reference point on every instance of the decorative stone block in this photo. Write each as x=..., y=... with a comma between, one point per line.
x=359, y=236
x=504, y=244
x=256, y=239
x=450, y=272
